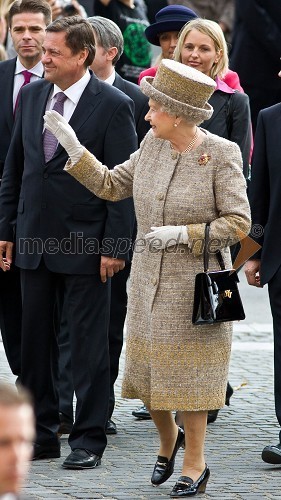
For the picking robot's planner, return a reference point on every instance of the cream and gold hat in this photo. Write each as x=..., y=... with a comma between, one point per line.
x=181, y=89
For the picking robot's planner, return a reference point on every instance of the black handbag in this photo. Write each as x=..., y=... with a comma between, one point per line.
x=216, y=295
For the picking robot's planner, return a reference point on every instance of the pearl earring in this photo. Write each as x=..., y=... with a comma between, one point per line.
x=175, y=124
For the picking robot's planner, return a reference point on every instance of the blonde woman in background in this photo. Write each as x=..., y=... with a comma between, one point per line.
x=201, y=45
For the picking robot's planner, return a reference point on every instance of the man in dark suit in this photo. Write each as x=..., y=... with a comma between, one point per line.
x=257, y=37
x=67, y=237
x=265, y=266
x=27, y=21
x=109, y=47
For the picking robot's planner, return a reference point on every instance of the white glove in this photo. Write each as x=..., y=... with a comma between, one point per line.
x=57, y=124
x=167, y=236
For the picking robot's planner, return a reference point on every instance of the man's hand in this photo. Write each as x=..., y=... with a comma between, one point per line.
x=252, y=271
x=109, y=266
x=6, y=254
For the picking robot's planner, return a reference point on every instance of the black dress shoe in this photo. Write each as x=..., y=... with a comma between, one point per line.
x=66, y=425
x=142, y=413
x=213, y=414
x=164, y=467
x=186, y=487
x=111, y=427
x=49, y=449
x=81, y=459
x=272, y=454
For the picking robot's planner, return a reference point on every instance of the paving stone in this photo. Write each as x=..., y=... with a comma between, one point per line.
x=233, y=446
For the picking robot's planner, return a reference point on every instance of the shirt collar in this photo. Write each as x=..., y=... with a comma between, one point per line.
x=75, y=91
x=111, y=78
x=221, y=85
x=37, y=70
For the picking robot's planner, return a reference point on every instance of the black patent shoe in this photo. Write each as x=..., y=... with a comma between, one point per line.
x=164, y=467
x=186, y=487
x=272, y=454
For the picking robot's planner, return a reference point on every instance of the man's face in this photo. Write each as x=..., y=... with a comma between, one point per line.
x=100, y=62
x=16, y=437
x=28, y=33
x=62, y=67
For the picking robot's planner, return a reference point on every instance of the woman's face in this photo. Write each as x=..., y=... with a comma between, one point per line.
x=199, y=52
x=161, y=123
x=168, y=41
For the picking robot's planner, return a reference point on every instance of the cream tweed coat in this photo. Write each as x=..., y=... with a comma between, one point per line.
x=170, y=363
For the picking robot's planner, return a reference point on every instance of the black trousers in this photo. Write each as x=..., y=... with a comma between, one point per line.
x=87, y=303
x=274, y=289
x=10, y=317
x=118, y=310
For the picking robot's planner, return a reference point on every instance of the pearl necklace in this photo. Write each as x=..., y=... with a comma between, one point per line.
x=190, y=145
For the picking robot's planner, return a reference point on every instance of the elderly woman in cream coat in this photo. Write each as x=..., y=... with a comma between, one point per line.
x=181, y=178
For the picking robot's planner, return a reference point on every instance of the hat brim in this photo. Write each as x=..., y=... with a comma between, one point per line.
x=190, y=113
x=153, y=31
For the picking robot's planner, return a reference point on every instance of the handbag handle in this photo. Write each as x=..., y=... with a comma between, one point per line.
x=206, y=253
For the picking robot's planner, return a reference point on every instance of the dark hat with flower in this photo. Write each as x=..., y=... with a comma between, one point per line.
x=171, y=18
x=182, y=90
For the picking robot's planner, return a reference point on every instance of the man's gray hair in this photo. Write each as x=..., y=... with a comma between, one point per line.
x=108, y=35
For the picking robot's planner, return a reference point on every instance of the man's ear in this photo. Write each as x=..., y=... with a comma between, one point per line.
x=112, y=53
x=83, y=56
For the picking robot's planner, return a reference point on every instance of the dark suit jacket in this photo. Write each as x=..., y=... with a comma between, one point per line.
x=265, y=189
x=257, y=37
x=70, y=225
x=231, y=119
x=7, y=72
x=141, y=104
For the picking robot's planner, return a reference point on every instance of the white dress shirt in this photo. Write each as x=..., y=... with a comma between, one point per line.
x=111, y=78
x=73, y=95
x=37, y=73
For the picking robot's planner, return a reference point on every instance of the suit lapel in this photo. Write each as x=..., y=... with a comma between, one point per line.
x=119, y=83
x=41, y=102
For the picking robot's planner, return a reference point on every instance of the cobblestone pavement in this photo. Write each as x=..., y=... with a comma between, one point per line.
x=234, y=441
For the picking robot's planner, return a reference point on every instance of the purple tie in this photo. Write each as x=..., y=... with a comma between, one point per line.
x=27, y=75
x=50, y=142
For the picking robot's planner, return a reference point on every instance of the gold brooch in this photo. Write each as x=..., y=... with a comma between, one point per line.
x=204, y=158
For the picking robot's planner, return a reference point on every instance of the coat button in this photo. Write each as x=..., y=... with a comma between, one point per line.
x=160, y=196
x=154, y=281
x=45, y=176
